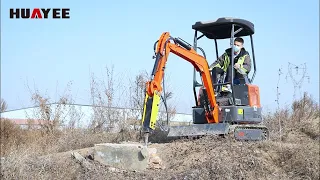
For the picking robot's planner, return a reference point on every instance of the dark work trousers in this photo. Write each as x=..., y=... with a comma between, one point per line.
x=216, y=71
x=235, y=74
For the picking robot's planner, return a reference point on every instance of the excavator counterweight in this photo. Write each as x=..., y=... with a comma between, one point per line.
x=216, y=113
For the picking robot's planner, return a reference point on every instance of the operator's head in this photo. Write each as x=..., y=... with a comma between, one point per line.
x=238, y=44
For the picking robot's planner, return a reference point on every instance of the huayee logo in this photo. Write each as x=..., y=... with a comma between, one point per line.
x=39, y=13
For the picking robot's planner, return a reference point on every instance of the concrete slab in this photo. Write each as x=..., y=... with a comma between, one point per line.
x=128, y=156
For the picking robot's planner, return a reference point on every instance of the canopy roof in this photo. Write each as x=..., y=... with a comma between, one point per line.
x=221, y=28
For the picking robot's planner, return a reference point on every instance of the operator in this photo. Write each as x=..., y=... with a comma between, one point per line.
x=242, y=62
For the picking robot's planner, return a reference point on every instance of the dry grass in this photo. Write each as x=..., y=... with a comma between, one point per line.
x=21, y=151
x=299, y=122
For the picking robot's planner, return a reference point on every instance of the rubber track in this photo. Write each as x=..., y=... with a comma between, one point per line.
x=265, y=129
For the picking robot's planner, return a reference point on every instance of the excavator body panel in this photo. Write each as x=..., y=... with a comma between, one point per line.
x=231, y=114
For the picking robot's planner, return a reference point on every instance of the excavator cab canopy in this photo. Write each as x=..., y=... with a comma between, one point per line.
x=224, y=28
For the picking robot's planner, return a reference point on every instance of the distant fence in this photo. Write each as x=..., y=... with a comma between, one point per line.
x=85, y=113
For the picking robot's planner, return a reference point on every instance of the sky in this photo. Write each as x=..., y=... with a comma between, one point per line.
x=48, y=54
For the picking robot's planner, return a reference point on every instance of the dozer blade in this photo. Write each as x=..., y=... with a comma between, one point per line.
x=198, y=130
x=238, y=132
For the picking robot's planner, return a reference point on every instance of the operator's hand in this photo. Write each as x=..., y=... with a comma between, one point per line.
x=236, y=66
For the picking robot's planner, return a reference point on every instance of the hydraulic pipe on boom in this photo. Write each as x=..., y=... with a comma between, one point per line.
x=154, y=88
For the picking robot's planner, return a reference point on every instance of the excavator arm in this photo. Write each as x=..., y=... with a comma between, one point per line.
x=166, y=45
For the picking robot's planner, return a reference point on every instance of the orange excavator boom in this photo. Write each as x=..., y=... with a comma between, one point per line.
x=166, y=45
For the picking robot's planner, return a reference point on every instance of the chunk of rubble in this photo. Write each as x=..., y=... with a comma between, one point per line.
x=129, y=156
x=80, y=159
x=155, y=161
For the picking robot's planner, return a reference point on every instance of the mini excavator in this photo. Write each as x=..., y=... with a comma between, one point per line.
x=236, y=114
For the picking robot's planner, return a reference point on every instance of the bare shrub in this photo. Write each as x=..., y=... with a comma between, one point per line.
x=272, y=122
x=11, y=136
x=25, y=158
x=103, y=95
x=306, y=108
x=107, y=98
x=75, y=115
x=301, y=120
x=167, y=109
x=51, y=115
x=137, y=92
x=306, y=116
x=4, y=105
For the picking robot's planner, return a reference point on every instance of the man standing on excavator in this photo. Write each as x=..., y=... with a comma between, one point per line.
x=242, y=62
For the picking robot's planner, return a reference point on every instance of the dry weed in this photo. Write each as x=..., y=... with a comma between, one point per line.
x=299, y=121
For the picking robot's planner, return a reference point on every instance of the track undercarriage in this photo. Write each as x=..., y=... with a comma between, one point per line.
x=237, y=132
x=236, y=120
